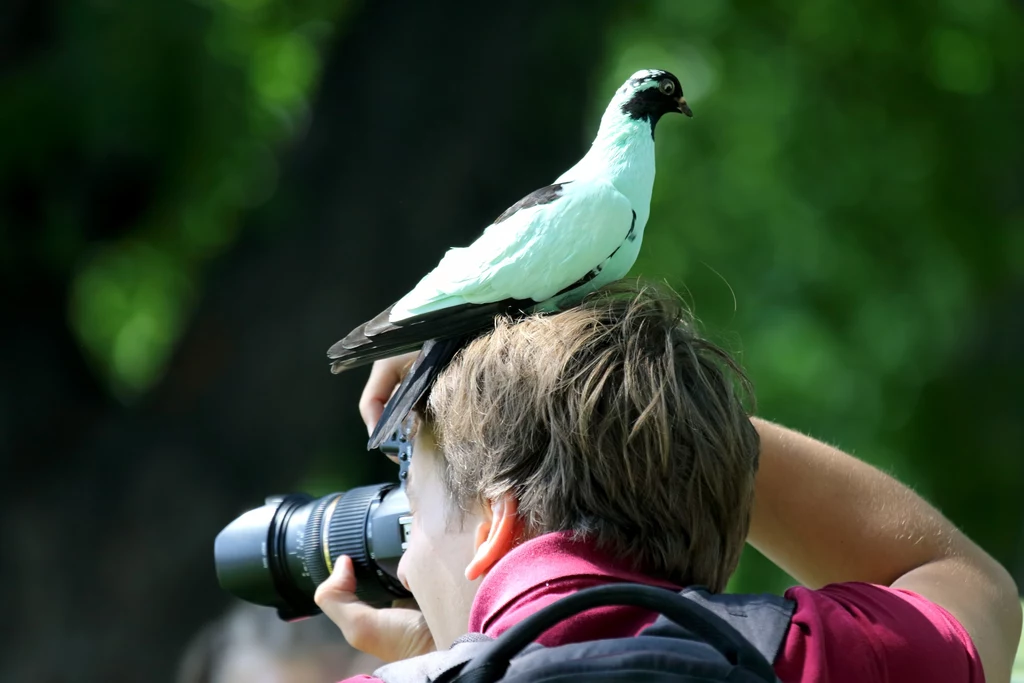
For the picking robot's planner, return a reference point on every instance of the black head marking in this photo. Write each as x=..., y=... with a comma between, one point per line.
x=652, y=94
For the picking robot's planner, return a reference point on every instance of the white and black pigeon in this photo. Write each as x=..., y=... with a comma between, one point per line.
x=545, y=252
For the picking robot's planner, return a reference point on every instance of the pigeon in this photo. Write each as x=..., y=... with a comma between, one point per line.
x=544, y=253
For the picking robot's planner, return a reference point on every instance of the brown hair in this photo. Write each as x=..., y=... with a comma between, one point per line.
x=613, y=420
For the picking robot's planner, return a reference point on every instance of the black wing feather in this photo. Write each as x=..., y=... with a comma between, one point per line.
x=378, y=338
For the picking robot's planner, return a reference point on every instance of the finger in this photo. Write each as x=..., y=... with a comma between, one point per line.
x=340, y=586
x=337, y=599
x=388, y=634
x=384, y=377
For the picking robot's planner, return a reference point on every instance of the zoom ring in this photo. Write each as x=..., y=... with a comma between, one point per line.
x=346, y=535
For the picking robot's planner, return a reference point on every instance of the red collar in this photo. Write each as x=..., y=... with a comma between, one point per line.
x=539, y=571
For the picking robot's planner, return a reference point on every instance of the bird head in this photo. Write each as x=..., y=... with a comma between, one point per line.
x=651, y=93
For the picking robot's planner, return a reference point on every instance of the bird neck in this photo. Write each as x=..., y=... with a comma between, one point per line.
x=619, y=128
x=623, y=152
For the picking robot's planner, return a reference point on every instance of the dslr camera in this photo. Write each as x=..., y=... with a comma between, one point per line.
x=276, y=555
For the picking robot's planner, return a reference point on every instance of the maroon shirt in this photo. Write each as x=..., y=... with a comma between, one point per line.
x=842, y=633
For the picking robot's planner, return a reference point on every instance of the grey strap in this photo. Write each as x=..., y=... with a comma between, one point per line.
x=762, y=619
x=431, y=665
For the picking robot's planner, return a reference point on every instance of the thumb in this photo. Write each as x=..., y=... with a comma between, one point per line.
x=337, y=598
x=342, y=580
x=388, y=634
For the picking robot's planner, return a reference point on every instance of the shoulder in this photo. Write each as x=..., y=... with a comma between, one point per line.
x=857, y=631
x=430, y=666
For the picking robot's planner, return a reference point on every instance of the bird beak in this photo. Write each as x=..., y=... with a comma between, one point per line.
x=684, y=107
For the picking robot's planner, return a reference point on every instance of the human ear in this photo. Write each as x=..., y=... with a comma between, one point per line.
x=495, y=535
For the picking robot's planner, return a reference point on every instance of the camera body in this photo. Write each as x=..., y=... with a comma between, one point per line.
x=276, y=555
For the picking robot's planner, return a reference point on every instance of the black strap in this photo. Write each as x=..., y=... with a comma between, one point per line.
x=491, y=664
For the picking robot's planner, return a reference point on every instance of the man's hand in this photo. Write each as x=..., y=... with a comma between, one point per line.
x=384, y=377
x=389, y=634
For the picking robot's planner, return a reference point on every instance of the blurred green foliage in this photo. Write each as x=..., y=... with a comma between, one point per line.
x=190, y=98
x=845, y=212
x=842, y=207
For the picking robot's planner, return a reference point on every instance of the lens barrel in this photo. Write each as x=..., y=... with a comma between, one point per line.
x=277, y=554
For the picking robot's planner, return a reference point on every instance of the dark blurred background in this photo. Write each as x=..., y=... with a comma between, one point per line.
x=197, y=197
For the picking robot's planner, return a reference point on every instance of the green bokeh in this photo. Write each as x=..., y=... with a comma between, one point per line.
x=837, y=212
x=843, y=212
x=201, y=95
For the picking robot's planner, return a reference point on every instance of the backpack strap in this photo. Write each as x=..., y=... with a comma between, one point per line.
x=762, y=619
x=689, y=617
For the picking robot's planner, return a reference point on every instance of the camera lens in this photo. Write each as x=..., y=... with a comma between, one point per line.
x=277, y=554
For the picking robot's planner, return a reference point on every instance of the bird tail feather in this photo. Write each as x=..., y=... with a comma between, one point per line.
x=433, y=358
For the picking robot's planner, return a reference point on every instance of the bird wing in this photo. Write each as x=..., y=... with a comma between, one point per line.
x=530, y=253
x=545, y=243
x=379, y=338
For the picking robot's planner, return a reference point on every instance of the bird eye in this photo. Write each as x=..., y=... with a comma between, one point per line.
x=667, y=87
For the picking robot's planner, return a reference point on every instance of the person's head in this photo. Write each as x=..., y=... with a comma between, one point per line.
x=613, y=421
x=251, y=644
